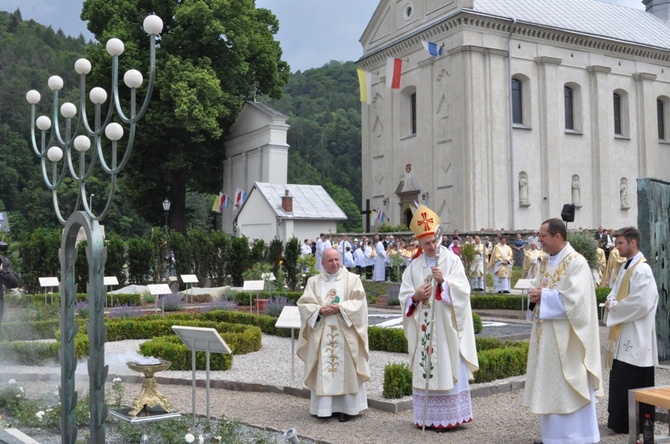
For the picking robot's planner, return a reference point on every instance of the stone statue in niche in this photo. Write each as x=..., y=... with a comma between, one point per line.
x=623, y=193
x=575, y=191
x=523, y=189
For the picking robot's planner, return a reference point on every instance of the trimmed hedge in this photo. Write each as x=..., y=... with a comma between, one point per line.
x=499, y=363
x=26, y=300
x=242, y=297
x=171, y=348
x=497, y=360
x=240, y=338
x=29, y=331
x=264, y=322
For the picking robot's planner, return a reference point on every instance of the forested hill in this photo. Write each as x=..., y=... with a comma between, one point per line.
x=29, y=54
x=325, y=137
x=322, y=105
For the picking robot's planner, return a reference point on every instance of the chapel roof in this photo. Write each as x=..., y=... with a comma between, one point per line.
x=590, y=17
x=309, y=201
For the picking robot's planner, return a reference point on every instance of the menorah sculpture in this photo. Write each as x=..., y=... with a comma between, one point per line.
x=78, y=134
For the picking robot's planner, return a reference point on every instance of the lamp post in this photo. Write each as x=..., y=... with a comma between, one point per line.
x=166, y=208
x=81, y=135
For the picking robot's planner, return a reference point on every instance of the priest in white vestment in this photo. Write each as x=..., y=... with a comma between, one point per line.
x=435, y=299
x=333, y=340
x=630, y=313
x=564, y=374
x=531, y=261
x=477, y=266
x=500, y=266
x=380, y=260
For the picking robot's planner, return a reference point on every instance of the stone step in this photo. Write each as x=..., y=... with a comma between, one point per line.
x=15, y=436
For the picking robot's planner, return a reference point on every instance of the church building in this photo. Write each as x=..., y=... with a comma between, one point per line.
x=500, y=112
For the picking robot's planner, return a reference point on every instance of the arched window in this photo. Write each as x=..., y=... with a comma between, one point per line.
x=662, y=116
x=517, y=101
x=569, y=102
x=617, y=114
x=621, y=116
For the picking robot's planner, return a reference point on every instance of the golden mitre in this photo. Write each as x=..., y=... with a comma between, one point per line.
x=424, y=222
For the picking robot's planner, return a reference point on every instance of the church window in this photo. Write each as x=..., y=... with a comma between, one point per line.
x=569, y=108
x=617, y=114
x=572, y=108
x=621, y=116
x=517, y=102
x=412, y=111
x=662, y=117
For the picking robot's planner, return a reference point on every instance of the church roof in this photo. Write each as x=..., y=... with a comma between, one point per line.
x=267, y=109
x=589, y=17
x=309, y=201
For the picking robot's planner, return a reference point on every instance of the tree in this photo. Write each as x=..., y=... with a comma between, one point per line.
x=212, y=57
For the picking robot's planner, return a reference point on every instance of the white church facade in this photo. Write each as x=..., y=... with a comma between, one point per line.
x=531, y=105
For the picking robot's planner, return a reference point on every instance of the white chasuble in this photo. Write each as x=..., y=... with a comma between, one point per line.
x=564, y=344
x=333, y=362
x=335, y=348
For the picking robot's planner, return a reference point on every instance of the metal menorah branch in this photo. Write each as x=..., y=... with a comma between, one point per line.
x=78, y=134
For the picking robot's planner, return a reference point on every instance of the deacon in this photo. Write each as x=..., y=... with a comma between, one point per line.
x=435, y=298
x=563, y=375
x=477, y=266
x=630, y=312
x=333, y=340
x=500, y=266
x=531, y=261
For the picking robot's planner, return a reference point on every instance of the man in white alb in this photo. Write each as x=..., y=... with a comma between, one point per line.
x=333, y=340
x=563, y=376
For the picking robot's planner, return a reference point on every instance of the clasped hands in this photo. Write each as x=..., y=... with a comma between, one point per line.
x=535, y=295
x=329, y=309
x=425, y=290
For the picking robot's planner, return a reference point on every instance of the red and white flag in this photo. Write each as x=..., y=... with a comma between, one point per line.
x=393, y=73
x=240, y=196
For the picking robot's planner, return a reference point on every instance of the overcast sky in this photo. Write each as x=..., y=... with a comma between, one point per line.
x=311, y=32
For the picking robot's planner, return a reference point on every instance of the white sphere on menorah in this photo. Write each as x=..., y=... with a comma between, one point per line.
x=55, y=83
x=43, y=123
x=55, y=154
x=133, y=78
x=98, y=95
x=68, y=110
x=82, y=66
x=114, y=47
x=82, y=143
x=153, y=25
x=114, y=131
x=33, y=97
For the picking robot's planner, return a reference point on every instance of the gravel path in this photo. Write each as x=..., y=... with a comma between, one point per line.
x=499, y=416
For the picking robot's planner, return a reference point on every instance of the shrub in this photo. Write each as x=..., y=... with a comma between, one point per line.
x=397, y=381
x=171, y=302
x=275, y=305
x=81, y=309
x=222, y=304
x=392, y=292
x=477, y=323
x=124, y=312
x=586, y=245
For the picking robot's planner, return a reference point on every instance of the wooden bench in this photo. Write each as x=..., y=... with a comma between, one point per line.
x=656, y=396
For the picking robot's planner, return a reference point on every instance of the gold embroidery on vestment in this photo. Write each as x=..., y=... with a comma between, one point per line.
x=552, y=280
x=331, y=345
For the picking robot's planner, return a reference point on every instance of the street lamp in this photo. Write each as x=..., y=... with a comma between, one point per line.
x=54, y=143
x=166, y=208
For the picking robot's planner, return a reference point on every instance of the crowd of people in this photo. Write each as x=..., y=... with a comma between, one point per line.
x=564, y=373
